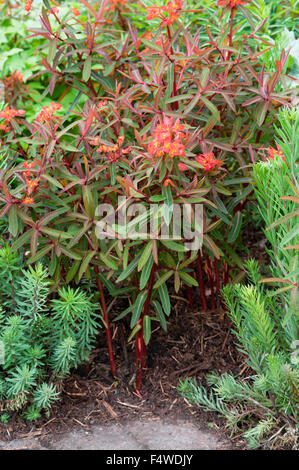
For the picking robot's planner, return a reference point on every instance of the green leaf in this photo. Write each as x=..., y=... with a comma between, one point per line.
x=21, y=240
x=139, y=302
x=147, y=330
x=168, y=205
x=55, y=233
x=39, y=254
x=85, y=263
x=174, y=246
x=86, y=69
x=235, y=230
x=73, y=271
x=189, y=280
x=160, y=314
x=135, y=330
x=211, y=107
x=170, y=78
x=109, y=261
x=124, y=313
x=163, y=279
x=164, y=297
x=13, y=225
x=145, y=256
x=128, y=270
x=146, y=271
x=70, y=254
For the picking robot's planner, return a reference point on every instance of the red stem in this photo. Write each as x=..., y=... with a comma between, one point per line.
x=211, y=282
x=106, y=319
x=201, y=283
x=225, y=274
x=141, y=351
x=216, y=270
x=190, y=296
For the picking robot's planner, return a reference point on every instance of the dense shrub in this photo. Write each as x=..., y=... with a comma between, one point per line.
x=163, y=109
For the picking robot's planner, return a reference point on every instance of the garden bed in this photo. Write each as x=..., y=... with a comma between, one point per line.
x=196, y=343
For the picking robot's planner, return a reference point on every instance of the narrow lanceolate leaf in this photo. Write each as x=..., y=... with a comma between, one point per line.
x=163, y=279
x=55, y=233
x=124, y=313
x=52, y=180
x=132, y=266
x=86, y=69
x=13, y=221
x=145, y=256
x=72, y=271
x=212, y=245
x=174, y=246
x=164, y=297
x=168, y=205
x=235, y=230
x=160, y=314
x=70, y=254
x=211, y=107
x=109, y=261
x=147, y=330
x=189, y=280
x=135, y=330
x=146, y=271
x=85, y=263
x=138, y=307
x=21, y=240
x=39, y=254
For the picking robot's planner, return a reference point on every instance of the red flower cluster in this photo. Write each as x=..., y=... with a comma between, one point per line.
x=208, y=161
x=32, y=183
x=14, y=77
x=167, y=139
x=76, y=12
x=273, y=153
x=232, y=3
x=102, y=104
x=168, y=13
x=7, y=114
x=112, y=152
x=28, y=5
x=47, y=112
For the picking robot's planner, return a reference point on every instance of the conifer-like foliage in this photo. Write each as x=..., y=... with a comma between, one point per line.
x=42, y=338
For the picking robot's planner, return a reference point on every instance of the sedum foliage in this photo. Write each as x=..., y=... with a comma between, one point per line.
x=42, y=338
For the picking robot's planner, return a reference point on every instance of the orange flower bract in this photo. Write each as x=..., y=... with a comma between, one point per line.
x=47, y=112
x=208, y=161
x=168, y=139
x=273, y=153
x=168, y=13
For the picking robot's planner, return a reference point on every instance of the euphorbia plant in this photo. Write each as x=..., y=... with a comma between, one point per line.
x=159, y=118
